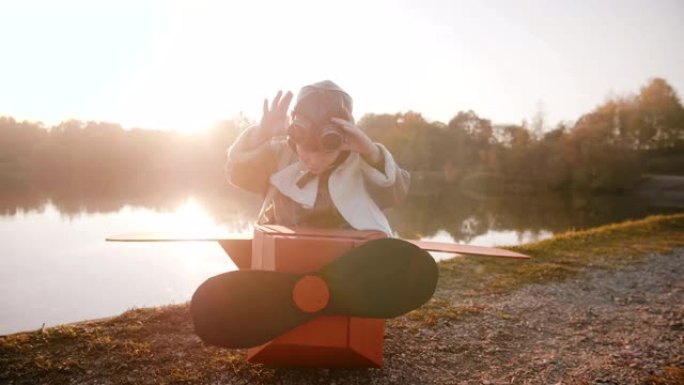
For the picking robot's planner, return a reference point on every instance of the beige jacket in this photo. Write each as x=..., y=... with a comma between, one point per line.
x=358, y=190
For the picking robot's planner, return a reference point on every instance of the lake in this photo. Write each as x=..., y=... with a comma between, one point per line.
x=57, y=267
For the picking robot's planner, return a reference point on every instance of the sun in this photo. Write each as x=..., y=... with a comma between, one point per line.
x=211, y=62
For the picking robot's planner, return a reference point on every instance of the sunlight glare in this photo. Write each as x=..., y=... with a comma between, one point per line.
x=213, y=60
x=192, y=220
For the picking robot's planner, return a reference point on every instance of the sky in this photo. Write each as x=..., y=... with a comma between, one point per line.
x=185, y=65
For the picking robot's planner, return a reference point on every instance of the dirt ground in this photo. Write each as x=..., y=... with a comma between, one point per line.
x=606, y=327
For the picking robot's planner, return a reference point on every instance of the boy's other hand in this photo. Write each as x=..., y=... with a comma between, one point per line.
x=358, y=141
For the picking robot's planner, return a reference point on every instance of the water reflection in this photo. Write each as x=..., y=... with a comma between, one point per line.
x=510, y=219
x=464, y=216
x=224, y=204
x=58, y=268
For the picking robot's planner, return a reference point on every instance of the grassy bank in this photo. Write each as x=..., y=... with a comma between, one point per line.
x=561, y=257
x=158, y=345
x=566, y=255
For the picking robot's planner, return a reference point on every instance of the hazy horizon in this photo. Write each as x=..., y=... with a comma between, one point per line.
x=186, y=65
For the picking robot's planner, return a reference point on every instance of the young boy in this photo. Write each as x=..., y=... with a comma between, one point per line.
x=320, y=170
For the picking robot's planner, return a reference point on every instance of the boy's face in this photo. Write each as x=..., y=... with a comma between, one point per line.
x=317, y=161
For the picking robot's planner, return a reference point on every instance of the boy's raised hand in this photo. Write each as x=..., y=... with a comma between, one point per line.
x=358, y=141
x=274, y=119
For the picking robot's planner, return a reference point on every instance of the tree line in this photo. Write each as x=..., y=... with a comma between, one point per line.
x=104, y=154
x=607, y=149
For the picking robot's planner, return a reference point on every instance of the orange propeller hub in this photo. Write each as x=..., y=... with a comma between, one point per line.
x=311, y=294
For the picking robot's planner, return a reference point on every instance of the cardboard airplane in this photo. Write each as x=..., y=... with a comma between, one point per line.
x=313, y=297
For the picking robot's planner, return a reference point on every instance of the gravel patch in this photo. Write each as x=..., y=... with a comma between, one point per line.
x=605, y=327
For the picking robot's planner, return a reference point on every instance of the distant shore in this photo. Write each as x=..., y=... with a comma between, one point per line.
x=663, y=190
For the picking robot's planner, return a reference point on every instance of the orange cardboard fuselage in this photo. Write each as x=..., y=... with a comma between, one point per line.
x=324, y=341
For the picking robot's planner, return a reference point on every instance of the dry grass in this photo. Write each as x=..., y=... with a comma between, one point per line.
x=565, y=256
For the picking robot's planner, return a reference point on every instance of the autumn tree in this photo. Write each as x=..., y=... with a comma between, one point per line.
x=662, y=116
